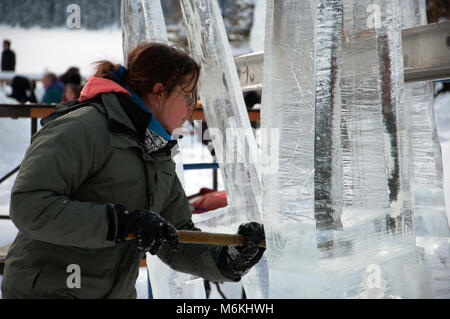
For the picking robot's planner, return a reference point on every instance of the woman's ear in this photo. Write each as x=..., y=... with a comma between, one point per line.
x=158, y=88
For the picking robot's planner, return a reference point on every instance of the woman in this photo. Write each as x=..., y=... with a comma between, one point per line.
x=102, y=171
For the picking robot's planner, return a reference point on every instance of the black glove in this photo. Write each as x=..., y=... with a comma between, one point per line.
x=151, y=230
x=236, y=261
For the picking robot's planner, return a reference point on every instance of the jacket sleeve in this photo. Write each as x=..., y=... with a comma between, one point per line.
x=196, y=259
x=61, y=156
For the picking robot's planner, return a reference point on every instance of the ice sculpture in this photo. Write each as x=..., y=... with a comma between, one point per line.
x=428, y=205
x=337, y=216
x=256, y=41
x=391, y=86
x=144, y=20
x=288, y=195
x=327, y=149
x=229, y=125
x=141, y=20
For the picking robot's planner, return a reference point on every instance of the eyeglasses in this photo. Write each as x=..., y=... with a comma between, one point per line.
x=189, y=98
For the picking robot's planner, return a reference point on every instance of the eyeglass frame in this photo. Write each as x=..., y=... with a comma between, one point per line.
x=189, y=99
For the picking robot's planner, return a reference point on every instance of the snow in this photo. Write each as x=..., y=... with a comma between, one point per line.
x=39, y=50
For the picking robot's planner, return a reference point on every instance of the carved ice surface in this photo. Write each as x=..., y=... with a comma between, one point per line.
x=256, y=41
x=327, y=146
x=228, y=122
x=338, y=213
x=141, y=20
x=428, y=205
x=288, y=195
x=394, y=115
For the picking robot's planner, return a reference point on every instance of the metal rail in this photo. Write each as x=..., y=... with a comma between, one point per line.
x=426, y=52
x=426, y=57
x=30, y=110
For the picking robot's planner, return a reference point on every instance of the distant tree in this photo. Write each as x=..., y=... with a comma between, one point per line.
x=52, y=13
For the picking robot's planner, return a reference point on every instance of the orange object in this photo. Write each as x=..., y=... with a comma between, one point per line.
x=39, y=112
x=209, y=201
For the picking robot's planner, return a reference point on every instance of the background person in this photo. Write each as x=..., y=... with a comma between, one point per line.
x=71, y=76
x=8, y=57
x=22, y=90
x=71, y=92
x=54, y=88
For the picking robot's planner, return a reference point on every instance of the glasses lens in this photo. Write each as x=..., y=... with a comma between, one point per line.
x=189, y=98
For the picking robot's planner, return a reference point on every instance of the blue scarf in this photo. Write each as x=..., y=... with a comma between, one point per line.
x=154, y=124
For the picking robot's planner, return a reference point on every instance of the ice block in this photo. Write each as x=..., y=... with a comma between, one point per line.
x=141, y=20
x=228, y=124
x=336, y=227
x=288, y=105
x=426, y=173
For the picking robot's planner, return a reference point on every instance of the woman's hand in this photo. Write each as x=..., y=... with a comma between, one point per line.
x=236, y=261
x=151, y=230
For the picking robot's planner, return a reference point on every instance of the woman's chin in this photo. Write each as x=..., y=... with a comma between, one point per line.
x=178, y=129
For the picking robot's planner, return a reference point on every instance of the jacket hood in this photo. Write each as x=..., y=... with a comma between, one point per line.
x=95, y=86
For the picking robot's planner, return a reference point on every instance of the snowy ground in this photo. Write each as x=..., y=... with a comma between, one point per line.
x=40, y=50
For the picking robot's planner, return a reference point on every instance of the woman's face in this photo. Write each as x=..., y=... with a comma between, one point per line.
x=174, y=108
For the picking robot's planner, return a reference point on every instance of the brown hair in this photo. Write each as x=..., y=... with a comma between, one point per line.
x=51, y=76
x=76, y=89
x=150, y=63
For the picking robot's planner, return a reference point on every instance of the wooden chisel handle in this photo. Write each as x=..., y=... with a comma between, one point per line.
x=199, y=237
